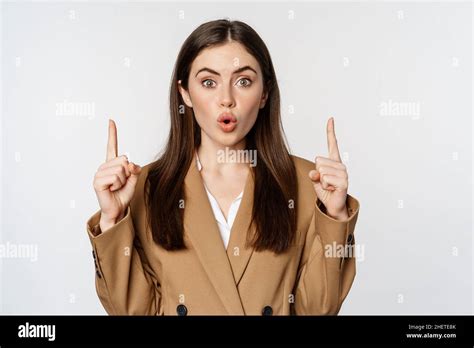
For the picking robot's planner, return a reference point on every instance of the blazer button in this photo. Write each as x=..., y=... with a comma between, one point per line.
x=93, y=254
x=267, y=310
x=181, y=310
x=98, y=274
x=350, y=238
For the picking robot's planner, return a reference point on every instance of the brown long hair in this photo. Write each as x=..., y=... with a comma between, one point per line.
x=275, y=187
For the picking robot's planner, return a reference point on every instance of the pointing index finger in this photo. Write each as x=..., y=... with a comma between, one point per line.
x=332, y=141
x=112, y=149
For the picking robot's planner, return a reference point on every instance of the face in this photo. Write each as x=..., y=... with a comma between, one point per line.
x=225, y=90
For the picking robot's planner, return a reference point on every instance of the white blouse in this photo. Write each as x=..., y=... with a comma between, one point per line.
x=224, y=225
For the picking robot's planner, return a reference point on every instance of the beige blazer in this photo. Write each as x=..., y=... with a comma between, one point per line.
x=136, y=276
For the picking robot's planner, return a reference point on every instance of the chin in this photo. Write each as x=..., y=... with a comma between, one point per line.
x=228, y=140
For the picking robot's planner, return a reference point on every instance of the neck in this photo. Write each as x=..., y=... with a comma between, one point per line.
x=214, y=157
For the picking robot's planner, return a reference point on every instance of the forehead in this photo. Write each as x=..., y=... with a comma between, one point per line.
x=224, y=58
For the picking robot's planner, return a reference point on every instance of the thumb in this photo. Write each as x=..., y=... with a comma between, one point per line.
x=135, y=169
x=318, y=187
x=129, y=187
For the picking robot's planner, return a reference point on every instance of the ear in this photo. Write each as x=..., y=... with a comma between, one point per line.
x=263, y=101
x=185, y=95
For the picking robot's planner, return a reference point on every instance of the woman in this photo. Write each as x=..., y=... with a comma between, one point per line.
x=203, y=231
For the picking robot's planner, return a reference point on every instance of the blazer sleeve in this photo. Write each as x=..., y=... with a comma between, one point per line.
x=324, y=277
x=124, y=280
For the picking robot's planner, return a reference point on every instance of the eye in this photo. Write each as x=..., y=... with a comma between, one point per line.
x=207, y=85
x=247, y=84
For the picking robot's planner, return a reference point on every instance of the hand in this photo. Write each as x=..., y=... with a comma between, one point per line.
x=114, y=183
x=330, y=179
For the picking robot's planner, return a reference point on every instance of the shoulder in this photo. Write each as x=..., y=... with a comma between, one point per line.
x=139, y=195
x=306, y=193
x=144, y=174
x=302, y=165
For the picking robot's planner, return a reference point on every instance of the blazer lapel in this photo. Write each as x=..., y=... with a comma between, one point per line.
x=237, y=251
x=201, y=227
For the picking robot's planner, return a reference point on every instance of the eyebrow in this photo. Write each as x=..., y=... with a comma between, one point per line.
x=247, y=67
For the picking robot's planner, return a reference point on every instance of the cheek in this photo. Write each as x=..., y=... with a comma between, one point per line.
x=199, y=97
x=202, y=102
x=249, y=106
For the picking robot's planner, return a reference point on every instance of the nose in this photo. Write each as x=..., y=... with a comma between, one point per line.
x=227, y=98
